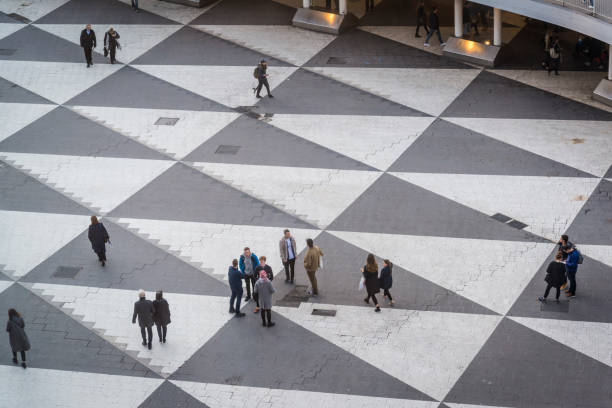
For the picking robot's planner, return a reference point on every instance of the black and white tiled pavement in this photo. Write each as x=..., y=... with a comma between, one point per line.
x=371, y=145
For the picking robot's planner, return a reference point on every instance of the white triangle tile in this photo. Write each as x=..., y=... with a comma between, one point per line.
x=28, y=238
x=590, y=338
x=56, y=81
x=72, y=389
x=297, y=46
x=21, y=115
x=4, y=285
x=171, y=11
x=110, y=310
x=213, y=246
x=584, y=145
x=375, y=140
x=548, y=205
x=136, y=39
x=99, y=181
x=192, y=129
x=229, y=85
x=7, y=29
x=601, y=253
x=427, y=350
x=425, y=89
x=473, y=268
x=224, y=396
x=315, y=195
x=31, y=9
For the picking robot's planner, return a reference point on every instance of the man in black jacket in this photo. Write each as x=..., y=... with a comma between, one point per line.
x=111, y=44
x=88, y=41
x=421, y=18
x=434, y=27
x=144, y=310
x=262, y=78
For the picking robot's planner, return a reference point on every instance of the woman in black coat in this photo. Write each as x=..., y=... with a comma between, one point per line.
x=555, y=277
x=98, y=237
x=17, y=336
x=386, y=279
x=161, y=317
x=370, y=274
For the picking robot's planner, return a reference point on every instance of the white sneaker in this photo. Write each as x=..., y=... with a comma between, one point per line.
x=442, y=45
x=425, y=45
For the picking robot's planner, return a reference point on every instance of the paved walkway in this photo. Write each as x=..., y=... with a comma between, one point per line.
x=463, y=177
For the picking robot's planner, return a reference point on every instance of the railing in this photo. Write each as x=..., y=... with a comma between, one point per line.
x=597, y=8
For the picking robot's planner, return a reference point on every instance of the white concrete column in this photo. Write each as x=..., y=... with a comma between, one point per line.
x=342, y=6
x=458, y=18
x=306, y=3
x=497, y=27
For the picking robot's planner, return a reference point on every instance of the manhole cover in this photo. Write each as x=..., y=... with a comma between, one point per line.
x=69, y=272
x=323, y=312
x=7, y=51
x=337, y=60
x=552, y=306
x=517, y=224
x=166, y=121
x=293, y=299
x=227, y=149
x=19, y=17
x=501, y=217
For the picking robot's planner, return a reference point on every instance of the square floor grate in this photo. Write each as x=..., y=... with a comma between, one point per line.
x=166, y=121
x=517, y=224
x=227, y=149
x=552, y=306
x=293, y=299
x=69, y=272
x=323, y=312
x=501, y=217
x=337, y=60
x=7, y=51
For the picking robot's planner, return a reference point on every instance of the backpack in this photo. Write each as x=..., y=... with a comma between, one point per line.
x=256, y=72
x=580, y=257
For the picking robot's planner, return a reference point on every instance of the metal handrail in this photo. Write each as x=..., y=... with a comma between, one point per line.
x=597, y=8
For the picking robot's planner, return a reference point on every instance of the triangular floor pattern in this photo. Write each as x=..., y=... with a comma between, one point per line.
x=247, y=12
x=375, y=140
x=191, y=130
x=97, y=182
x=446, y=147
x=213, y=246
x=9, y=27
x=169, y=395
x=581, y=144
x=76, y=136
x=525, y=355
x=427, y=350
x=259, y=142
x=601, y=253
x=59, y=342
x=132, y=263
x=593, y=225
x=13, y=93
x=100, y=12
x=272, y=356
x=317, y=196
x=107, y=311
x=171, y=197
x=33, y=9
x=548, y=205
x=21, y=114
x=172, y=11
x=29, y=238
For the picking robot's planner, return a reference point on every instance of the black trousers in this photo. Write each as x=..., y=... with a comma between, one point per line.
x=149, y=330
x=266, y=313
x=87, y=55
x=547, y=291
x=263, y=82
x=162, y=329
x=111, y=51
x=373, y=299
x=328, y=4
x=22, y=355
x=554, y=65
x=101, y=255
x=421, y=22
x=135, y=4
x=388, y=294
x=369, y=5
x=248, y=282
x=290, y=264
x=571, y=277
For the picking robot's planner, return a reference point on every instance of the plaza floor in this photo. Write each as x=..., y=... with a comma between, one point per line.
x=463, y=177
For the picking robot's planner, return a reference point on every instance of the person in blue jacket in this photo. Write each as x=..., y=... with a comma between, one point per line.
x=386, y=280
x=571, y=267
x=248, y=264
x=234, y=276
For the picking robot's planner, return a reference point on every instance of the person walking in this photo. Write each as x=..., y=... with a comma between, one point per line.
x=98, y=236
x=15, y=326
x=234, y=276
x=262, y=78
x=88, y=42
x=434, y=27
x=369, y=5
x=145, y=311
x=312, y=262
x=288, y=251
x=111, y=44
x=248, y=263
x=421, y=18
x=161, y=316
x=386, y=280
x=555, y=277
x=135, y=5
x=264, y=290
x=262, y=267
x=555, y=56
x=571, y=267
x=370, y=274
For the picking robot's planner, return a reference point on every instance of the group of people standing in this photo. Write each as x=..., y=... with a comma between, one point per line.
x=561, y=272
x=111, y=44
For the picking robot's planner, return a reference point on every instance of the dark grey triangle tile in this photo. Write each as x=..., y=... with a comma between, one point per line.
x=5, y=18
x=393, y=206
x=100, y=12
x=169, y=395
x=185, y=194
x=261, y=143
x=609, y=173
x=518, y=367
x=287, y=356
x=58, y=342
x=63, y=131
x=49, y=47
x=13, y=93
x=133, y=264
x=593, y=224
x=358, y=48
x=493, y=96
x=20, y=192
x=178, y=49
x=402, y=12
x=130, y=88
x=247, y=12
x=448, y=148
x=306, y=92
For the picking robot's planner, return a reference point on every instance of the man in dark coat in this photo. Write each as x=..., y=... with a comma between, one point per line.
x=434, y=27
x=234, y=277
x=88, y=41
x=17, y=336
x=262, y=78
x=145, y=310
x=421, y=18
x=98, y=237
x=161, y=316
x=111, y=44
x=555, y=277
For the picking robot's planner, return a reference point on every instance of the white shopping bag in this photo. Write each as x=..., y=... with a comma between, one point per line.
x=361, y=284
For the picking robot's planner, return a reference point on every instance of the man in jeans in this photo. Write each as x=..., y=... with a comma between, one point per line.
x=571, y=267
x=248, y=263
x=312, y=262
x=434, y=27
x=288, y=251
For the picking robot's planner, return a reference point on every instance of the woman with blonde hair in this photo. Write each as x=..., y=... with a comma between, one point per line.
x=370, y=274
x=98, y=237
